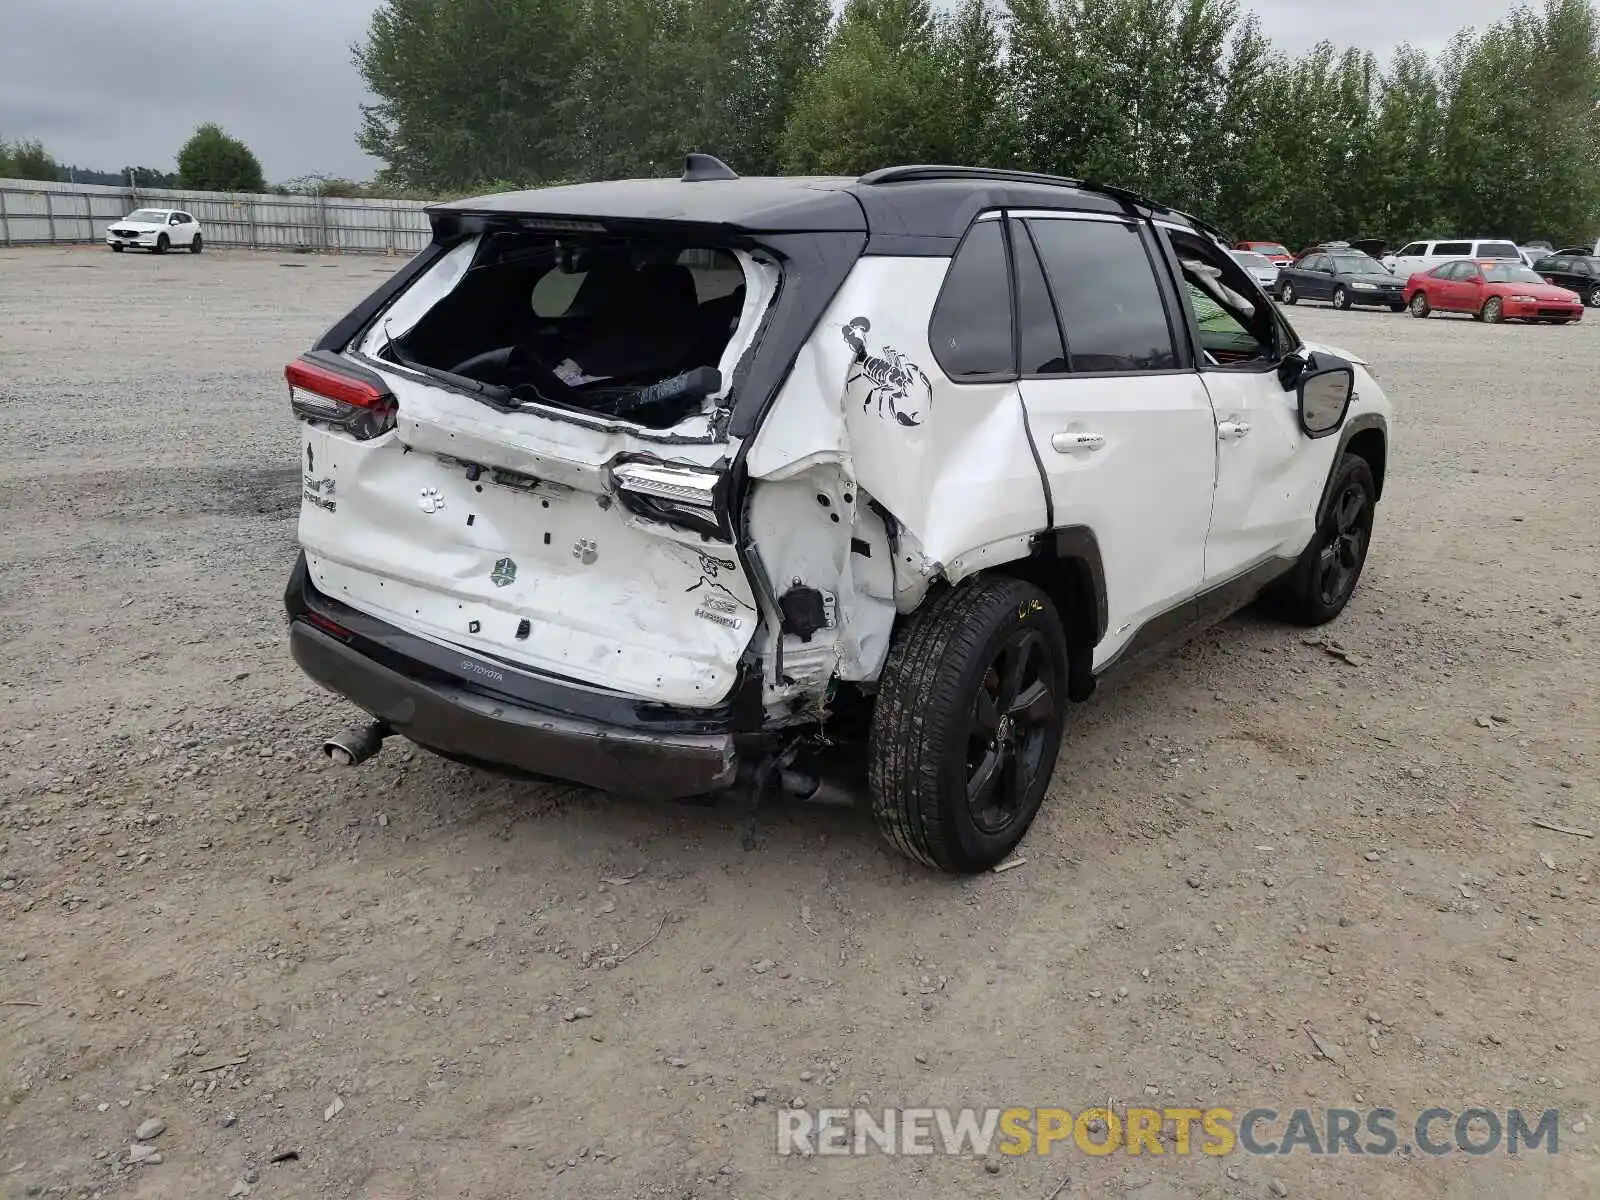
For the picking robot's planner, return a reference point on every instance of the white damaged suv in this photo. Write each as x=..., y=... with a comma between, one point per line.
x=664, y=486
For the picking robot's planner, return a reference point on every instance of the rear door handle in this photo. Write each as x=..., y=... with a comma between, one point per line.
x=1232, y=431
x=1069, y=443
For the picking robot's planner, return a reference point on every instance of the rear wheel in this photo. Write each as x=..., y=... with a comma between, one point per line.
x=194, y=246
x=1288, y=294
x=162, y=243
x=1420, y=308
x=1322, y=582
x=1594, y=296
x=1341, y=299
x=1494, y=310
x=967, y=724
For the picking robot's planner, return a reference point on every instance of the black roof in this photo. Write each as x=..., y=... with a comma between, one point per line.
x=900, y=204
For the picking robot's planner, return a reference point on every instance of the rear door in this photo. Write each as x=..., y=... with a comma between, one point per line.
x=1121, y=420
x=1317, y=279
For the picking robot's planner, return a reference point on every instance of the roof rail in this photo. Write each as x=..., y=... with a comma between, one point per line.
x=909, y=174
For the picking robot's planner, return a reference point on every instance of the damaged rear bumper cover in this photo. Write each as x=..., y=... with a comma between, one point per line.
x=629, y=748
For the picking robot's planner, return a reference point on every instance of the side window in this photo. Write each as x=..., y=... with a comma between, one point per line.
x=1317, y=262
x=1039, y=332
x=1581, y=266
x=1236, y=325
x=1106, y=292
x=971, y=327
x=1415, y=250
x=1453, y=249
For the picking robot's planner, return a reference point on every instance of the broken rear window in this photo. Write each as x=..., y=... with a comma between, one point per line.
x=626, y=327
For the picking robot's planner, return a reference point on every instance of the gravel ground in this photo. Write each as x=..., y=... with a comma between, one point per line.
x=372, y=970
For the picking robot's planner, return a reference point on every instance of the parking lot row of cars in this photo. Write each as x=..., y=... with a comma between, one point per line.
x=1490, y=279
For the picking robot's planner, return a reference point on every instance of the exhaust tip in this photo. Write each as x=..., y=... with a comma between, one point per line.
x=356, y=744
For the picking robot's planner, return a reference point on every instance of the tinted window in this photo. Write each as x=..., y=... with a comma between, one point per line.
x=1453, y=248
x=1579, y=266
x=1498, y=250
x=1036, y=316
x=971, y=327
x=1415, y=250
x=1107, y=295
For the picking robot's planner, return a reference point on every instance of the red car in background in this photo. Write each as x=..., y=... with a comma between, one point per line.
x=1491, y=291
x=1274, y=252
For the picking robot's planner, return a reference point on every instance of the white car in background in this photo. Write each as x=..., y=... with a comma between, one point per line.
x=1258, y=266
x=156, y=230
x=1425, y=256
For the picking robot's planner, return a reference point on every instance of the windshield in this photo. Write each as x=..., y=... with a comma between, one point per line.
x=1351, y=264
x=1510, y=275
x=1270, y=248
x=152, y=216
x=1246, y=258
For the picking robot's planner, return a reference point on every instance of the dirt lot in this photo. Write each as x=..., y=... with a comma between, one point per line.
x=1254, y=841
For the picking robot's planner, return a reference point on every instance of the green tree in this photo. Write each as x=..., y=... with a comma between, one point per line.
x=28, y=159
x=211, y=161
x=876, y=99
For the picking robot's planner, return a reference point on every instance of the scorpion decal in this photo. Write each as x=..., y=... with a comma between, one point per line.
x=892, y=378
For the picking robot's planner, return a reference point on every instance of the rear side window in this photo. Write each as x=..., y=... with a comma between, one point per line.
x=1039, y=335
x=971, y=327
x=1498, y=250
x=1106, y=292
x=1453, y=249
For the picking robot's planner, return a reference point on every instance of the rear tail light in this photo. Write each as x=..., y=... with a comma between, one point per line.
x=347, y=400
x=683, y=496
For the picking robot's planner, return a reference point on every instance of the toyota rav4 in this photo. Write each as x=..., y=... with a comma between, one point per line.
x=658, y=485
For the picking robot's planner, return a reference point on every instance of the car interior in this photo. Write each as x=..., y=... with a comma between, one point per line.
x=613, y=326
x=1239, y=324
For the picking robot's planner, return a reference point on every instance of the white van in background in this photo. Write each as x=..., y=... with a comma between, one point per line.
x=1425, y=256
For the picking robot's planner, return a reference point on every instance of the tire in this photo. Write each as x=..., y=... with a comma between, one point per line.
x=1341, y=299
x=1420, y=308
x=1397, y=308
x=975, y=686
x=1594, y=296
x=195, y=246
x=162, y=244
x=116, y=247
x=1288, y=295
x=1323, y=580
x=1494, y=310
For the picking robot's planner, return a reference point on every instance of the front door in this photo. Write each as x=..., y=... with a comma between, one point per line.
x=1269, y=474
x=1120, y=418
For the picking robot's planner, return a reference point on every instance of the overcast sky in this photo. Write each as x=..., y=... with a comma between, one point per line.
x=106, y=85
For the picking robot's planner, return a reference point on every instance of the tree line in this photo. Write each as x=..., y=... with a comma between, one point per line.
x=1186, y=100
x=210, y=161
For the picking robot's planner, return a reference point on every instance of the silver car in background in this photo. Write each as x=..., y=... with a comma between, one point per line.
x=1259, y=266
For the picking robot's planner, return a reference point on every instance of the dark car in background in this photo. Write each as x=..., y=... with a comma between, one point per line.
x=1576, y=272
x=1344, y=278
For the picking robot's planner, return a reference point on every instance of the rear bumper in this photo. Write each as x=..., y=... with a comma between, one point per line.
x=664, y=754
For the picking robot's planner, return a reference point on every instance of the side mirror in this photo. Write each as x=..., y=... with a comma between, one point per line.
x=1325, y=395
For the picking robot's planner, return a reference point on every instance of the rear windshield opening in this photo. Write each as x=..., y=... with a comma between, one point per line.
x=619, y=327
